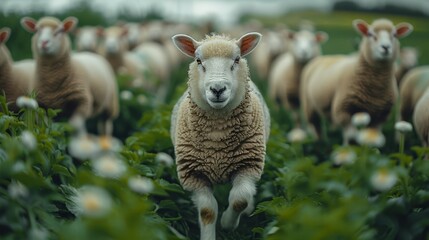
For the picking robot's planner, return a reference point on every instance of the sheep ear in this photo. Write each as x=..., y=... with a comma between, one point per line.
x=69, y=24
x=29, y=24
x=185, y=44
x=321, y=37
x=248, y=42
x=361, y=27
x=4, y=35
x=403, y=30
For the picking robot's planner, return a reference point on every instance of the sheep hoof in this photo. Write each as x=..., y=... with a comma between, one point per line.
x=228, y=222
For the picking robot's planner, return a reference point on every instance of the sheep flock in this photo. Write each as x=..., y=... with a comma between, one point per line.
x=220, y=125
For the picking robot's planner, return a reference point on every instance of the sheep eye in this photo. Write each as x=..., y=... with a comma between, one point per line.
x=237, y=60
x=199, y=61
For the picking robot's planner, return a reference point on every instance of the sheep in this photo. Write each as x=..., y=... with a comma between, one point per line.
x=285, y=74
x=421, y=117
x=219, y=127
x=340, y=86
x=16, y=78
x=87, y=38
x=414, y=84
x=147, y=63
x=407, y=60
x=82, y=85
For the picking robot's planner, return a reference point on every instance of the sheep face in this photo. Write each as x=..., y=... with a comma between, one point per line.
x=87, y=38
x=114, y=40
x=218, y=76
x=380, y=39
x=305, y=45
x=50, y=34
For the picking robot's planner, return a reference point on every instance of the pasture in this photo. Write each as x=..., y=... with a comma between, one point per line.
x=306, y=191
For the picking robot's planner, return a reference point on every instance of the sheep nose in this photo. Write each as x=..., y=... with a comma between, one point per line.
x=45, y=43
x=386, y=48
x=217, y=92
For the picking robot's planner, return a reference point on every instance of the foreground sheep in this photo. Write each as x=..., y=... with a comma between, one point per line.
x=340, y=86
x=82, y=85
x=219, y=128
x=285, y=75
x=16, y=78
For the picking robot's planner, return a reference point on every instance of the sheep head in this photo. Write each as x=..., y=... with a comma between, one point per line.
x=4, y=53
x=305, y=45
x=114, y=40
x=218, y=76
x=380, y=39
x=50, y=35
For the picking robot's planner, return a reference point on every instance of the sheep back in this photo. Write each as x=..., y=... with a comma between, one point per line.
x=414, y=84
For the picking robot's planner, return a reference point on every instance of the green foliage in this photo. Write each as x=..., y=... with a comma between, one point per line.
x=301, y=195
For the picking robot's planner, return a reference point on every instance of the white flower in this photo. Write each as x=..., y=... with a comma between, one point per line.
x=19, y=166
x=26, y=102
x=109, y=166
x=383, y=179
x=109, y=143
x=403, y=126
x=126, y=95
x=17, y=190
x=28, y=139
x=90, y=201
x=361, y=119
x=370, y=137
x=344, y=156
x=140, y=185
x=83, y=147
x=164, y=158
x=297, y=135
x=142, y=99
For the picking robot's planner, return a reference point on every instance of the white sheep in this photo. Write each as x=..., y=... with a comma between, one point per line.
x=414, y=84
x=408, y=59
x=16, y=78
x=219, y=128
x=340, y=86
x=285, y=75
x=421, y=117
x=82, y=85
x=147, y=63
x=87, y=38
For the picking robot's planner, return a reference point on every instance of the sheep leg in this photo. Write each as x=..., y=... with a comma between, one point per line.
x=240, y=201
x=207, y=212
x=78, y=122
x=349, y=132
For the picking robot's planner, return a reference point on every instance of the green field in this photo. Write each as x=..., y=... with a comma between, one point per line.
x=382, y=193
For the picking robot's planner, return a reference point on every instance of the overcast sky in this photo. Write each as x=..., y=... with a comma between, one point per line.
x=224, y=11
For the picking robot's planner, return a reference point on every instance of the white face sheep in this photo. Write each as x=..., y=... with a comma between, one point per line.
x=219, y=128
x=82, y=85
x=344, y=85
x=285, y=75
x=87, y=38
x=16, y=78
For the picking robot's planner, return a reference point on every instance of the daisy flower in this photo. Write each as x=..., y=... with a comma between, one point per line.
x=90, y=201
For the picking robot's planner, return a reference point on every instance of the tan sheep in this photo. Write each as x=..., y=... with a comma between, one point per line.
x=339, y=86
x=219, y=128
x=285, y=75
x=414, y=84
x=16, y=79
x=82, y=85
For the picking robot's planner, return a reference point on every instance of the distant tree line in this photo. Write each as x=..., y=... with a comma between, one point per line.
x=388, y=8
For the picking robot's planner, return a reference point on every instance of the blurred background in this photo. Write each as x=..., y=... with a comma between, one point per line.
x=332, y=16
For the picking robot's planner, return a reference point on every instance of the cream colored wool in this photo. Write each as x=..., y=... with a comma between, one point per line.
x=414, y=84
x=212, y=149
